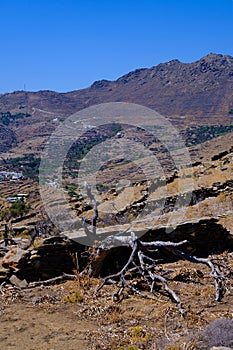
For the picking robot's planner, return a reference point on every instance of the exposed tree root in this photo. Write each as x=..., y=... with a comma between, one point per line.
x=57, y=279
x=142, y=264
x=146, y=268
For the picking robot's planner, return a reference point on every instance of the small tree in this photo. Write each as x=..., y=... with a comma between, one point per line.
x=19, y=208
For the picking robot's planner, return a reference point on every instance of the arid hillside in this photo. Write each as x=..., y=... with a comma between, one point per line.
x=200, y=89
x=190, y=94
x=189, y=206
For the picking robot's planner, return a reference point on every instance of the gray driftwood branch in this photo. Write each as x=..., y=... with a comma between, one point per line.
x=141, y=262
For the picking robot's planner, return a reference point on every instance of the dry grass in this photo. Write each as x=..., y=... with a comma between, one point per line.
x=135, y=323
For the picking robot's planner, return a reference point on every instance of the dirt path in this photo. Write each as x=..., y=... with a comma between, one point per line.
x=71, y=316
x=34, y=109
x=23, y=327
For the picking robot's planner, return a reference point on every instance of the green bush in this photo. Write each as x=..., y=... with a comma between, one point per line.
x=19, y=208
x=28, y=164
x=6, y=117
x=72, y=193
x=199, y=134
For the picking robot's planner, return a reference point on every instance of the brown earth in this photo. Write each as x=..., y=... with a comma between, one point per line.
x=70, y=316
x=202, y=88
x=189, y=94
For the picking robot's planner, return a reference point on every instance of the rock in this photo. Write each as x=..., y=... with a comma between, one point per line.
x=33, y=252
x=224, y=167
x=18, y=282
x=35, y=263
x=52, y=258
x=34, y=256
x=14, y=258
x=4, y=274
x=3, y=251
x=54, y=239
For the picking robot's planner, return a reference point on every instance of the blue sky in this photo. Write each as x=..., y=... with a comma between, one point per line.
x=65, y=45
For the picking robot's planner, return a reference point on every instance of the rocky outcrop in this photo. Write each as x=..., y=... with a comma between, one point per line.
x=14, y=258
x=200, y=90
x=53, y=257
x=205, y=237
x=57, y=255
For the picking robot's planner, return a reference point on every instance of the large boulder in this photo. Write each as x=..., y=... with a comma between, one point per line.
x=15, y=258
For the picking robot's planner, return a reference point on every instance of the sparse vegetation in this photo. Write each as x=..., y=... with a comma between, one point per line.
x=216, y=333
x=19, y=208
x=81, y=148
x=135, y=323
x=73, y=297
x=199, y=134
x=71, y=189
x=7, y=118
x=28, y=164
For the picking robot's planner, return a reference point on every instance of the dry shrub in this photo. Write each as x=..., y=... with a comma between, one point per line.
x=217, y=333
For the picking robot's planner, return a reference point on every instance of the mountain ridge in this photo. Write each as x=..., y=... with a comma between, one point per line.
x=188, y=94
x=172, y=88
x=175, y=60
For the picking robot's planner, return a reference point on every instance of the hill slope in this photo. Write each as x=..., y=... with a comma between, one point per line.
x=201, y=88
x=189, y=94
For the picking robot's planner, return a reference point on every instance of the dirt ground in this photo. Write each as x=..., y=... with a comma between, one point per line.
x=71, y=315
x=27, y=327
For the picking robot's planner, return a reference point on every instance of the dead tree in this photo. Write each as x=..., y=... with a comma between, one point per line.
x=91, y=233
x=141, y=262
x=8, y=239
x=5, y=235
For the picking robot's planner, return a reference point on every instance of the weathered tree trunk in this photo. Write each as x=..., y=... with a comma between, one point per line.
x=141, y=262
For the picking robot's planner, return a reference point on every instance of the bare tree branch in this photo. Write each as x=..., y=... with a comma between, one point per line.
x=215, y=272
x=63, y=277
x=141, y=262
x=145, y=267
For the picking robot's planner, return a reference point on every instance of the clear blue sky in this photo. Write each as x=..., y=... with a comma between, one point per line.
x=65, y=45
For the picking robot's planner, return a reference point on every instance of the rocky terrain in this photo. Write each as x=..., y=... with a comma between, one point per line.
x=189, y=94
x=173, y=88
x=39, y=259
